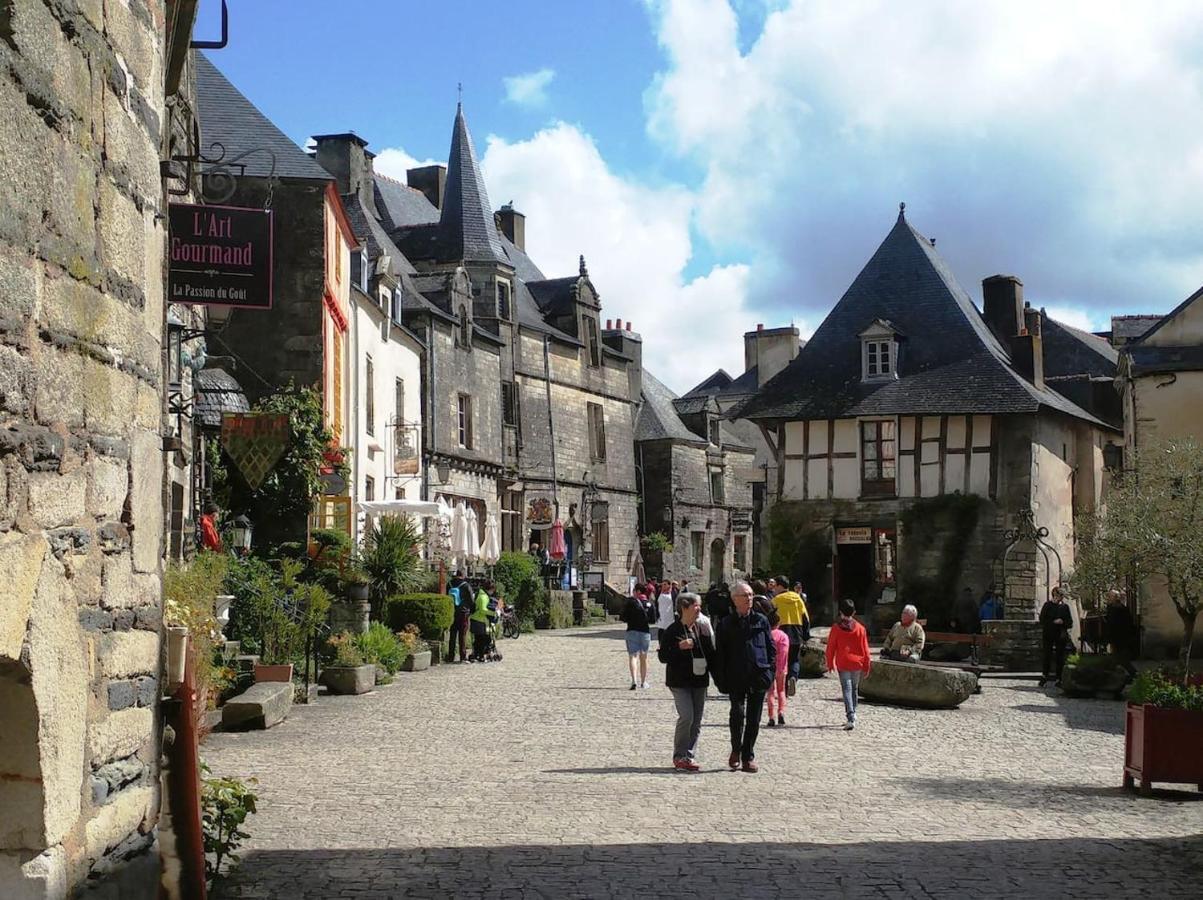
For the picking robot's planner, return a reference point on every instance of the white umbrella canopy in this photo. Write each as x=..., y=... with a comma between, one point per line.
x=490, y=550
x=459, y=532
x=471, y=530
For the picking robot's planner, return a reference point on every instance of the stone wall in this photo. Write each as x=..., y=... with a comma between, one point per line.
x=81, y=467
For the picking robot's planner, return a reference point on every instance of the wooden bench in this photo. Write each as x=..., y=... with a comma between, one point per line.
x=951, y=637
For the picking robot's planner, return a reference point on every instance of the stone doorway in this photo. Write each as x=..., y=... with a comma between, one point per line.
x=718, y=556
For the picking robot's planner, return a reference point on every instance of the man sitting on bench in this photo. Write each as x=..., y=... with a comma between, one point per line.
x=905, y=641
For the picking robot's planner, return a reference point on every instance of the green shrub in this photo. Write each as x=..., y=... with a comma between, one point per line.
x=1162, y=689
x=381, y=647
x=431, y=613
x=344, y=651
x=391, y=557
x=517, y=576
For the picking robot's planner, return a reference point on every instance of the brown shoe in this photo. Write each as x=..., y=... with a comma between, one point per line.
x=750, y=766
x=733, y=760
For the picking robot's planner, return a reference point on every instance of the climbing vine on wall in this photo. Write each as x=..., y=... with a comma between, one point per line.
x=943, y=524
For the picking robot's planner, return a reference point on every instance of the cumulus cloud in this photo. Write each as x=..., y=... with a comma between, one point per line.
x=1058, y=142
x=393, y=161
x=529, y=89
x=636, y=241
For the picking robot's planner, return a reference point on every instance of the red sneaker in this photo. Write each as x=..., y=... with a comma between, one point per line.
x=685, y=765
x=733, y=760
x=750, y=766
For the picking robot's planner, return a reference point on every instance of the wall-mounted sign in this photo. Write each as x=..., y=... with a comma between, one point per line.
x=220, y=256
x=854, y=535
x=405, y=454
x=592, y=581
x=741, y=520
x=540, y=511
x=254, y=442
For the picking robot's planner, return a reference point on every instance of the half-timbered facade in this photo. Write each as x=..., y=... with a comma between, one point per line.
x=905, y=397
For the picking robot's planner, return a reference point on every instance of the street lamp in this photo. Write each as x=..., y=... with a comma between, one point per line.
x=241, y=530
x=442, y=468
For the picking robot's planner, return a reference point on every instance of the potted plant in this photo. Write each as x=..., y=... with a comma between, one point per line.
x=384, y=649
x=1163, y=731
x=1088, y=675
x=348, y=672
x=417, y=654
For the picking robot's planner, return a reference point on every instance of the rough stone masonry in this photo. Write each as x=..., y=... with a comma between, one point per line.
x=81, y=468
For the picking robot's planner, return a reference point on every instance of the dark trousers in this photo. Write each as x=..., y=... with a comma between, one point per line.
x=480, y=645
x=459, y=633
x=1054, y=646
x=746, y=707
x=794, y=634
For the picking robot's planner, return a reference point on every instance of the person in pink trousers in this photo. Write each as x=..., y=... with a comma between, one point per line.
x=776, y=693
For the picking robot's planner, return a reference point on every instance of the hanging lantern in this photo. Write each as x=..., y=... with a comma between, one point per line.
x=241, y=530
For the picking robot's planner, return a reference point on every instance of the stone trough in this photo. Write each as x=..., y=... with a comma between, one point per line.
x=914, y=684
x=262, y=705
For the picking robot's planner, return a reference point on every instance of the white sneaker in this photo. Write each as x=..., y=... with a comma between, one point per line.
x=848, y=726
x=646, y=685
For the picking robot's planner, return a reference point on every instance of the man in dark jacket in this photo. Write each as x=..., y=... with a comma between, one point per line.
x=1120, y=632
x=747, y=664
x=1056, y=621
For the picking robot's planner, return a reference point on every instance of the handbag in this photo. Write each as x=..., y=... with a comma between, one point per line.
x=698, y=659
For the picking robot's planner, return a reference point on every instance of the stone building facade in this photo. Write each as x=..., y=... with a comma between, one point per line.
x=913, y=431
x=1161, y=386
x=89, y=97
x=696, y=487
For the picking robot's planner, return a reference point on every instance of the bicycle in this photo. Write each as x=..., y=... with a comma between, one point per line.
x=509, y=624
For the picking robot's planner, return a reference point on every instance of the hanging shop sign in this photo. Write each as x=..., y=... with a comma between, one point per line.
x=854, y=535
x=220, y=256
x=540, y=511
x=741, y=520
x=405, y=455
x=254, y=442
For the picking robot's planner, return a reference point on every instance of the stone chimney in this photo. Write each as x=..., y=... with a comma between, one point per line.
x=1002, y=305
x=770, y=350
x=431, y=181
x=513, y=225
x=624, y=339
x=347, y=158
x=1027, y=348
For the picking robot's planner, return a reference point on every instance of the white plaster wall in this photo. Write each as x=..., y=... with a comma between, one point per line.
x=794, y=432
x=845, y=436
x=395, y=355
x=792, y=489
x=1184, y=330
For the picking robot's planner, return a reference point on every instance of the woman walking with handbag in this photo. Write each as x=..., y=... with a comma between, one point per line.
x=687, y=650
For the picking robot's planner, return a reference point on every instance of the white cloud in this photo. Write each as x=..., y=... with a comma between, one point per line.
x=529, y=89
x=1055, y=141
x=1076, y=317
x=636, y=242
x=393, y=161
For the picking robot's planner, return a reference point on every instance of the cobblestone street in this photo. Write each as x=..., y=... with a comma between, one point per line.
x=543, y=776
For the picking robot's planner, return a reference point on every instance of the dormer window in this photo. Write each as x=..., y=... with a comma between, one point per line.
x=592, y=343
x=715, y=434
x=879, y=358
x=360, y=269
x=879, y=351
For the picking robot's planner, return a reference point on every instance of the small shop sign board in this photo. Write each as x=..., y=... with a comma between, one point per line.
x=540, y=511
x=219, y=256
x=254, y=442
x=857, y=535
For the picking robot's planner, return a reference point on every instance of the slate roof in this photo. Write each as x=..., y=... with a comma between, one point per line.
x=1071, y=351
x=712, y=385
x=1129, y=328
x=230, y=119
x=399, y=204
x=554, y=295
x=952, y=363
x=217, y=391
x=659, y=417
x=1146, y=360
x=720, y=384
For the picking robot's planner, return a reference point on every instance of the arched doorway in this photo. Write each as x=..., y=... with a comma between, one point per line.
x=718, y=556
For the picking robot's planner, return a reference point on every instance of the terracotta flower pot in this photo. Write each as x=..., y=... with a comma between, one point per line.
x=273, y=673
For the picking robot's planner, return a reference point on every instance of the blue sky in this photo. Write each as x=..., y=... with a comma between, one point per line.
x=727, y=162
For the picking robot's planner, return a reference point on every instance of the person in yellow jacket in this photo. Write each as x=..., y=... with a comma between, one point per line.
x=795, y=622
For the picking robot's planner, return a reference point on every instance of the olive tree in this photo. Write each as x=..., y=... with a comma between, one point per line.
x=1151, y=530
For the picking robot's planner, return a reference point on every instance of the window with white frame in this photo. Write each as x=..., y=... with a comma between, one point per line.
x=879, y=359
x=697, y=549
x=464, y=420
x=369, y=396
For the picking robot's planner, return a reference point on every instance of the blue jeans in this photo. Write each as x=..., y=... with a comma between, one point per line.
x=849, y=684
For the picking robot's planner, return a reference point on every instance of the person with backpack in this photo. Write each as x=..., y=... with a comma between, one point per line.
x=461, y=600
x=746, y=666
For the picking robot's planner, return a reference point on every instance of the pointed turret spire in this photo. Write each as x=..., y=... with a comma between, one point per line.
x=584, y=268
x=467, y=229
x=902, y=212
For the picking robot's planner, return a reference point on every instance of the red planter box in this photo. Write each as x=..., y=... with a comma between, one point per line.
x=1162, y=745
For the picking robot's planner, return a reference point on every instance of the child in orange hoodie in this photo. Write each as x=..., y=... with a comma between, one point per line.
x=848, y=654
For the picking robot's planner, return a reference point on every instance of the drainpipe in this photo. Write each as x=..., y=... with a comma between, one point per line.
x=551, y=426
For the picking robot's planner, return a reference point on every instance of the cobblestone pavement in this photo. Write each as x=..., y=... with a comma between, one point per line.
x=543, y=776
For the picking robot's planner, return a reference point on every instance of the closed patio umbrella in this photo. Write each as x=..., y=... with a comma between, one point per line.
x=556, y=548
x=490, y=549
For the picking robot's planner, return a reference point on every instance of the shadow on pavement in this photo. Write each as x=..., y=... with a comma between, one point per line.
x=616, y=770
x=610, y=634
x=1017, y=794
x=1084, y=715
x=1077, y=867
